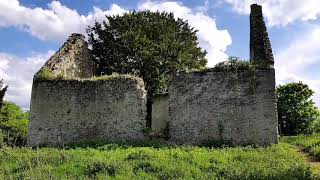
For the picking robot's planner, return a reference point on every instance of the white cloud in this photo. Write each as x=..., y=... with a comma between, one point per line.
x=212, y=39
x=55, y=23
x=281, y=12
x=18, y=74
x=58, y=21
x=294, y=61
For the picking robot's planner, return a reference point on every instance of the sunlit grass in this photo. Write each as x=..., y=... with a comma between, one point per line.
x=304, y=141
x=280, y=161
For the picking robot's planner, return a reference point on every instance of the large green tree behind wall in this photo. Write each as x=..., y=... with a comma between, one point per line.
x=151, y=45
x=296, y=110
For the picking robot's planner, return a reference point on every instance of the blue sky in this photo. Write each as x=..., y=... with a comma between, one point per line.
x=32, y=30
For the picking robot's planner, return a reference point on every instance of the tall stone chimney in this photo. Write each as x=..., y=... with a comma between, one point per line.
x=260, y=46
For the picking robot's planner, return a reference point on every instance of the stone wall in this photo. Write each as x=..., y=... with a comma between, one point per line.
x=160, y=113
x=68, y=111
x=73, y=60
x=225, y=107
x=237, y=107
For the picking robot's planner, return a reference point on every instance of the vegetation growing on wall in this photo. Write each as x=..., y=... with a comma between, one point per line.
x=263, y=64
x=112, y=77
x=45, y=74
x=234, y=64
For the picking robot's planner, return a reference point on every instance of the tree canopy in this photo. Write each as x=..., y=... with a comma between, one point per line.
x=151, y=45
x=295, y=108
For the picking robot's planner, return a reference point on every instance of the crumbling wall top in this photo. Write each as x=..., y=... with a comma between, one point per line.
x=73, y=60
x=256, y=10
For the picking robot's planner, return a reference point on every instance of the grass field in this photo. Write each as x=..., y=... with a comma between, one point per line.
x=310, y=147
x=310, y=144
x=280, y=161
x=306, y=142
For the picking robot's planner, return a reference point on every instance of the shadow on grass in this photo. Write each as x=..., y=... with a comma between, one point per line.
x=157, y=144
x=111, y=145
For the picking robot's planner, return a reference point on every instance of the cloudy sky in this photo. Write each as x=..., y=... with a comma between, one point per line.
x=32, y=30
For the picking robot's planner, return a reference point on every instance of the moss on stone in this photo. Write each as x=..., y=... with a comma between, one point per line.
x=112, y=77
x=45, y=74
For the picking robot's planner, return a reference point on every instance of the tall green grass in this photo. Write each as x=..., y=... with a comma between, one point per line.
x=309, y=144
x=280, y=161
x=303, y=141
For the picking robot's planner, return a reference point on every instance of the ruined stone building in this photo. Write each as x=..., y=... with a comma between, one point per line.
x=70, y=105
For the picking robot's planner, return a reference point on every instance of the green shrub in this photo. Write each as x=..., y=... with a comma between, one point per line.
x=14, y=132
x=296, y=110
x=13, y=125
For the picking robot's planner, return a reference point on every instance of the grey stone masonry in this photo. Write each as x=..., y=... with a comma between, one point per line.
x=231, y=104
x=73, y=60
x=260, y=46
x=69, y=111
x=226, y=107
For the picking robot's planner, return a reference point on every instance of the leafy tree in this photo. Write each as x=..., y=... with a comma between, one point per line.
x=13, y=125
x=151, y=45
x=2, y=92
x=295, y=108
x=314, y=126
x=11, y=111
